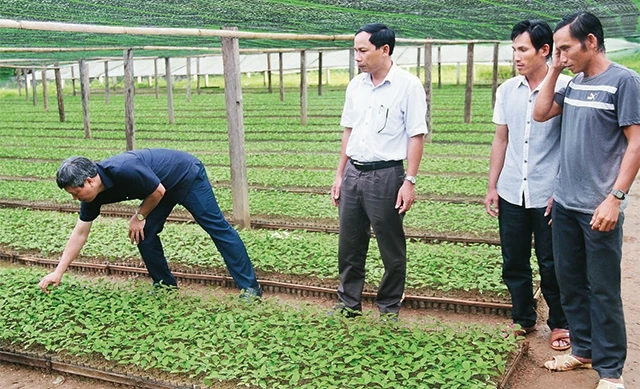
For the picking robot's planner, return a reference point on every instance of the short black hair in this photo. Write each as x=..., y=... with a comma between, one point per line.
x=74, y=171
x=380, y=35
x=581, y=24
x=539, y=32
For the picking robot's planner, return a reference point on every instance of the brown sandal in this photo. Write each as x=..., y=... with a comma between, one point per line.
x=560, y=334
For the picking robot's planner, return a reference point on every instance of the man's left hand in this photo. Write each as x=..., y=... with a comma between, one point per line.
x=406, y=197
x=136, y=230
x=606, y=215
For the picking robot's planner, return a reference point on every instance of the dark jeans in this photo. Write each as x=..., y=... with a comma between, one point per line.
x=517, y=224
x=367, y=200
x=588, y=269
x=202, y=204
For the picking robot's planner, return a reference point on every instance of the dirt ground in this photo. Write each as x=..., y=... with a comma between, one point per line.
x=529, y=375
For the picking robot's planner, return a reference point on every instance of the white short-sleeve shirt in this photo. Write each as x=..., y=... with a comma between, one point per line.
x=532, y=158
x=384, y=117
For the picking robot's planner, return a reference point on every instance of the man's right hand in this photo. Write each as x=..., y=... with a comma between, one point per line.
x=491, y=203
x=335, y=191
x=50, y=279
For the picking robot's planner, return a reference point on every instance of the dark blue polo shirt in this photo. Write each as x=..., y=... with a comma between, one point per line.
x=136, y=174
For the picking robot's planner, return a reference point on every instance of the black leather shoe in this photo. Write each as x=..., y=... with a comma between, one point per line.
x=341, y=309
x=250, y=294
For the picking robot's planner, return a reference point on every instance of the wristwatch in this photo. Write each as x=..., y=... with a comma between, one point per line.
x=617, y=193
x=411, y=179
x=140, y=216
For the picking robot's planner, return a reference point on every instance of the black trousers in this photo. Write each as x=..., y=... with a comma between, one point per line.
x=367, y=200
x=517, y=224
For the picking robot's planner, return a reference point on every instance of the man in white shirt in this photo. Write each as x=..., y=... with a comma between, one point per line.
x=523, y=171
x=384, y=124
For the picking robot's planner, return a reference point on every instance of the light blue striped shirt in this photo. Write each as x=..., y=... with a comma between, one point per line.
x=532, y=157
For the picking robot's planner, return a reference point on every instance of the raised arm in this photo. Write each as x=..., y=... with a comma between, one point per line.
x=74, y=245
x=546, y=107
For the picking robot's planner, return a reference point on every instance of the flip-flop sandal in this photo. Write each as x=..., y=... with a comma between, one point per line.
x=517, y=330
x=560, y=334
x=566, y=362
x=604, y=384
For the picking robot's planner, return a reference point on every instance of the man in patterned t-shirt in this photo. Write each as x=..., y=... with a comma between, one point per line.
x=599, y=159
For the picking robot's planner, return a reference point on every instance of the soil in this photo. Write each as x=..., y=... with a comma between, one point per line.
x=529, y=374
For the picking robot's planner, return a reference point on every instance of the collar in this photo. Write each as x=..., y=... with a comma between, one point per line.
x=107, y=182
x=387, y=79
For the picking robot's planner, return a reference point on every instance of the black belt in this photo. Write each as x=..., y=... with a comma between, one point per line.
x=365, y=166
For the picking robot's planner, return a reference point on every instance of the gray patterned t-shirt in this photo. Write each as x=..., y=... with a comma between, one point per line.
x=595, y=110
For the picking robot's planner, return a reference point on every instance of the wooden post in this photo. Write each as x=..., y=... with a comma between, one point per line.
x=269, y=85
x=494, y=81
x=84, y=93
x=418, y=64
x=26, y=84
x=328, y=82
x=106, y=82
x=19, y=80
x=59, y=90
x=45, y=92
x=73, y=81
x=281, y=73
x=206, y=80
x=469, y=87
x=155, y=72
x=428, y=87
x=198, y=75
x=189, y=79
x=513, y=68
x=129, y=122
x=235, y=128
x=167, y=76
x=320, y=73
x=439, y=67
x=352, y=58
x=303, y=88
x=33, y=87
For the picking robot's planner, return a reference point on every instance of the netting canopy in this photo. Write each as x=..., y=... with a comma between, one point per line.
x=439, y=19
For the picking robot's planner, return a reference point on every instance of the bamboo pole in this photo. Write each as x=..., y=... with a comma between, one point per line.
x=18, y=79
x=269, y=85
x=188, y=79
x=84, y=93
x=418, y=64
x=106, y=82
x=304, y=119
x=88, y=28
x=169, y=79
x=428, y=88
x=494, y=79
x=469, y=87
x=439, y=67
x=33, y=87
x=26, y=84
x=59, y=93
x=352, y=72
x=155, y=72
x=235, y=128
x=320, y=73
x=129, y=120
x=198, y=75
x=45, y=92
x=281, y=74
x=73, y=81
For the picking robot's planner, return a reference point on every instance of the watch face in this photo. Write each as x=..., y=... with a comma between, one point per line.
x=140, y=217
x=618, y=194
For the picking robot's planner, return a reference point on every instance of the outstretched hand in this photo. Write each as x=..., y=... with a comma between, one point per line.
x=50, y=279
